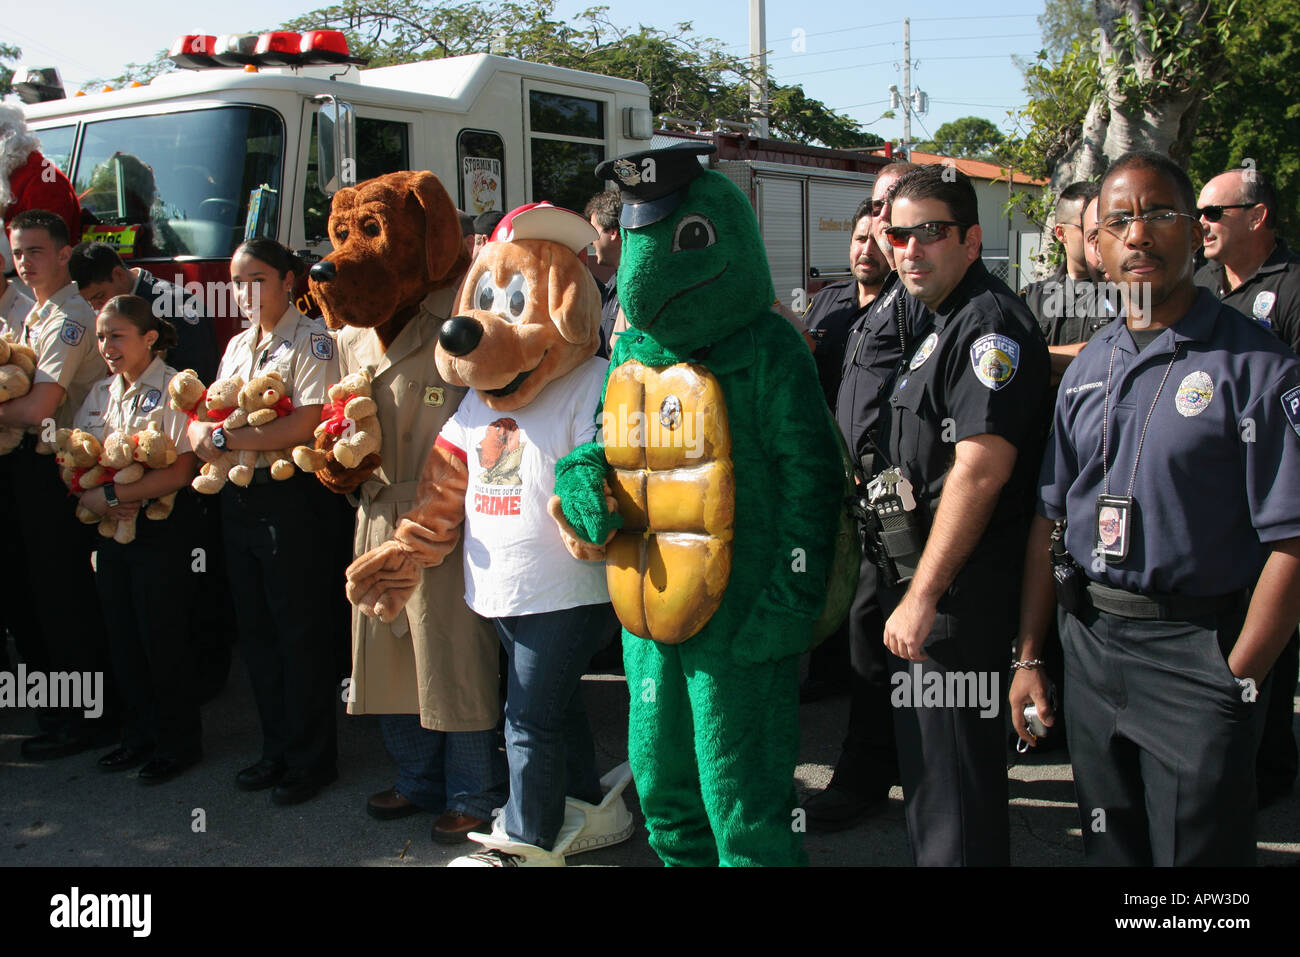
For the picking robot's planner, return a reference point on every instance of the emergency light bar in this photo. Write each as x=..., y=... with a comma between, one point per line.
x=198, y=51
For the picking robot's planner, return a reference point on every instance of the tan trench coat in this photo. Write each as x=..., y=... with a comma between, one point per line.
x=437, y=659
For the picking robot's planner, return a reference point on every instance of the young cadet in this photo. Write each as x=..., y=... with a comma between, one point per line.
x=278, y=535
x=51, y=548
x=148, y=586
x=1171, y=463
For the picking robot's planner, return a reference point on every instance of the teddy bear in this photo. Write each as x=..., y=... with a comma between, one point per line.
x=17, y=366
x=351, y=417
x=77, y=456
x=263, y=399
x=120, y=467
x=219, y=402
x=155, y=450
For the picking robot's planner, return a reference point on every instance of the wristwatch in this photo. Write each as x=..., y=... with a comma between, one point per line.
x=110, y=495
x=219, y=438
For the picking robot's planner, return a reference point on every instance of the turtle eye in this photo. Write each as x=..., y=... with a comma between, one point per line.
x=694, y=232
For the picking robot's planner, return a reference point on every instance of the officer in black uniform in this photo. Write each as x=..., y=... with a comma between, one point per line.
x=1251, y=268
x=868, y=763
x=963, y=429
x=1175, y=436
x=602, y=211
x=100, y=274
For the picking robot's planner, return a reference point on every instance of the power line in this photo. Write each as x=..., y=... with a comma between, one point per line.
x=837, y=69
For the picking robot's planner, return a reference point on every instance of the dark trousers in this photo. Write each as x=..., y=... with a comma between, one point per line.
x=868, y=762
x=1277, y=760
x=52, y=606
x=212, y=620
x=952, y=755
x=147, y=590
x=278, y=547
x=1162, y=741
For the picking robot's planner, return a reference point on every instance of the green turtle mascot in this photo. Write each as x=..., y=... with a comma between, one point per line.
x=714, y=495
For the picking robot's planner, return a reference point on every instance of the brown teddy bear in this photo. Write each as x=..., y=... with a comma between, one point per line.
x=155, y=450
x=120, y=467
x=17, y=366
x=262, y=400
x=217, y=403
x=350, y=417
x=77, y=456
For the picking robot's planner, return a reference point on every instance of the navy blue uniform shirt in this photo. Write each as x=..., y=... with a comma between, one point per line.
x=197, y=345
x=981, y=368
x=1271, y=297
x=833, y=312
x=871, y=357
x=1219, y=474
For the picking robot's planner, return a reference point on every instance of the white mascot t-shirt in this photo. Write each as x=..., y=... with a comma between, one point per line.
x=515, y=560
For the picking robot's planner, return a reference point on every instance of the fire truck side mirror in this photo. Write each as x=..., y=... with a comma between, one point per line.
x=336, y=151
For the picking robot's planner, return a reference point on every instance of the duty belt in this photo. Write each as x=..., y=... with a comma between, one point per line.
x=1131, y=604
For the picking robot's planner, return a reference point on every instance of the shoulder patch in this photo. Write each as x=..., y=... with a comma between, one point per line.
x=149, y=401
x=1263, y=306
x=72, y=332
x=923, y=351
x=1291, y=406
x=322, y=346
x=995, y=359
x=1194, y=394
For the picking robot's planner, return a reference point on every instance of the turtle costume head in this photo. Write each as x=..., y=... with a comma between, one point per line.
x=691, y=249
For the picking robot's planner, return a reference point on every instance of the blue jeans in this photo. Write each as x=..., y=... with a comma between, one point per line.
x=445, y=770
x=548, y=740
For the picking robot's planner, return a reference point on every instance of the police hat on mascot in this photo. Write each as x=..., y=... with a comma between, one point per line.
x=652, y=183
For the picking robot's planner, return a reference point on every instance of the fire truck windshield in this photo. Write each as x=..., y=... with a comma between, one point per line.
x=179, y=184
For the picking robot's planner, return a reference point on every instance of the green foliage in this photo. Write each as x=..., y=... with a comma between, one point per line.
x=134, y=72
x=1062, y=22
x=12, y=54
x=970, y=137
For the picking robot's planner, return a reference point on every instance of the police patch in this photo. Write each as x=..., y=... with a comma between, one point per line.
x=1263, y=306
x=149, y=401
x=72, y=332
x=1194, y=394
x=995, y=359
x=322, y=346
x=1291, y=406
x=923, y=351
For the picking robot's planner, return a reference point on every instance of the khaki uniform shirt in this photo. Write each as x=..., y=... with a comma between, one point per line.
x=63, y=334
x=437, y=659
x=301, y=350
x=114, y=405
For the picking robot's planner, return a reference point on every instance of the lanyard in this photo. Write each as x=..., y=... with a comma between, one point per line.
x=1105, y=421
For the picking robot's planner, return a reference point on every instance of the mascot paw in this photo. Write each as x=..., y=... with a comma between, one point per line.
x=381, y=581
x=343, y=481
x=578, y=547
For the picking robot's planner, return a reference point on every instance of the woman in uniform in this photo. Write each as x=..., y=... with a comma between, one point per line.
x=279, y=535
x=146, y=587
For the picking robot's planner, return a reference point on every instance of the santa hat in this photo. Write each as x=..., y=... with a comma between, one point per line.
x=544, y=221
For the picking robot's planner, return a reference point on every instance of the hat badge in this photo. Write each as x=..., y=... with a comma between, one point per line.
x=627, y=172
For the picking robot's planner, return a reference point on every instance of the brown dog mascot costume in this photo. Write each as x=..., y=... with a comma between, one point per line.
x=523, y=339
x=390, y=283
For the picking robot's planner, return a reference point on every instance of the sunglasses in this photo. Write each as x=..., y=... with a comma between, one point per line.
x=923, y=233
x=1212, y=214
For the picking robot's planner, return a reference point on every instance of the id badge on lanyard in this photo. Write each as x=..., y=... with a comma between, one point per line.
x=1114, y=526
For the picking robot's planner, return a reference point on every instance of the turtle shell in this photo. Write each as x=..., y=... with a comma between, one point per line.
x=668, y=445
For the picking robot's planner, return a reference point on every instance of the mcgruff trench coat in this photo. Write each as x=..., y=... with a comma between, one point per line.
x=437, y=659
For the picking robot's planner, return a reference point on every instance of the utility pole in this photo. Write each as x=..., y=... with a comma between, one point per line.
x=758, y=56
x=907, y=88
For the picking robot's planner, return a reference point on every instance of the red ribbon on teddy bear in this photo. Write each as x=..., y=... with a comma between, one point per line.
x=332, y=414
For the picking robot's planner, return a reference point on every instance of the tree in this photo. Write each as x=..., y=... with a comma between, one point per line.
x=1064, y=21
x=134, y=73
x=970, y=137
x=13, y=54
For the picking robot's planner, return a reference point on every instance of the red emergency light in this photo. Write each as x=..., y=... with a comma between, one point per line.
x=235, y=49
x=279, y=48
x=193, y=51
x=274, y=48
x=327, y=46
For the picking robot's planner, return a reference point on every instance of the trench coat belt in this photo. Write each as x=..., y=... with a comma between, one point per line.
x=387, y=494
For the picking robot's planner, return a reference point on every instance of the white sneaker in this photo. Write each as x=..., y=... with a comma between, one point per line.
x=588, y=827
x=503, y=852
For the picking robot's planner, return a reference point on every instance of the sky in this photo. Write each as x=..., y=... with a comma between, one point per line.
x=847, y=55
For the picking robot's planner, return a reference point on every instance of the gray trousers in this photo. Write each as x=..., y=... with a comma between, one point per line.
x=1162, y=742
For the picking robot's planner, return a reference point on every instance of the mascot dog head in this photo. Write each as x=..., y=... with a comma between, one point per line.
x=529, y=310
x=396, y=239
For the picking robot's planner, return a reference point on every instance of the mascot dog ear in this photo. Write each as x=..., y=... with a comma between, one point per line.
x=573, y=298
x=443, y=246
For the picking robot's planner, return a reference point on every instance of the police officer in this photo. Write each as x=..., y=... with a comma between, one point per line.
x=54, y=547
x=602, y=211
x=100, y=274
x=1175, y=434
x=1251, y=268
x=963, y=426
x=147, y=586
x=278, y=534
x=868, y=763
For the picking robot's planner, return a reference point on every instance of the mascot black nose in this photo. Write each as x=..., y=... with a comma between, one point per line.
x=459, y=335
x=323, y=271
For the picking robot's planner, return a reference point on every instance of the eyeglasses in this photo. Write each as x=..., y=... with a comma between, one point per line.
x=1118, y=226
x=923, y=233
x=1213, y=214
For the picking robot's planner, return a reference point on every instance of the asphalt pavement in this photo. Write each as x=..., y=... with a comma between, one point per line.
x=68, y=813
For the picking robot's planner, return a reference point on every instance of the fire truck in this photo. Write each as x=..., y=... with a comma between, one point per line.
x=258, y=131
